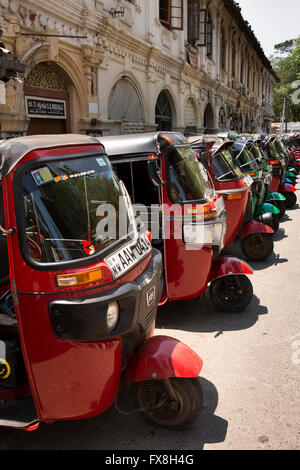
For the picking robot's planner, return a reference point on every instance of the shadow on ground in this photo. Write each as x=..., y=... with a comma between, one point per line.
x=202, y=317
x=115, y=431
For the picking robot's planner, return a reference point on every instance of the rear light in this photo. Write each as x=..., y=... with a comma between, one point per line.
x=251, y=173
x=80, y=278
x=233, y=197
x=275, y=162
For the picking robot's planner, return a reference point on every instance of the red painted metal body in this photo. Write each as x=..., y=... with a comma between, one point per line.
x=286, y=187
x=180, y=263
x=275, y=183
x=228, y=265
x=255, y=227
x=236, y=194
x=187, y=269
x=150, y=360
x=54, y=365
x=235, y=208
x=68, y=379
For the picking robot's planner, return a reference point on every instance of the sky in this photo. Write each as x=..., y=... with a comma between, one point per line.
x=272, y=21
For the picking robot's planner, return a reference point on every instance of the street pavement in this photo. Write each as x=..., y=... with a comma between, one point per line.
x=250, y=377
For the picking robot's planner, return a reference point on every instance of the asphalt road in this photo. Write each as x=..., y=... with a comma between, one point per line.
x=250, y=378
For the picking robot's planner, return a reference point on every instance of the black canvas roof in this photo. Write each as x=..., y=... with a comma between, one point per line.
x=203, y=140
x=13, y=150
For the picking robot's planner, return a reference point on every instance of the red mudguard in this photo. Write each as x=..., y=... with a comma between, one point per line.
x=287, y=188
x=227, y=265
x=255, y=227
x=162, y=357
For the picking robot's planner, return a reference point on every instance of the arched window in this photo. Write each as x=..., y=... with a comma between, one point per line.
x=209, y=120
x=222, y=120
x=209, y=36
x=163, y=113
x=124, y=102
x=190, y=118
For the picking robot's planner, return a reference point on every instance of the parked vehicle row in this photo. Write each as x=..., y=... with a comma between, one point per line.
x=96, y=234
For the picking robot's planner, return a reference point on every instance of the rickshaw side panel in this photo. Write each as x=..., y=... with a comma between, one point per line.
x=235, y=211
x=187, y=270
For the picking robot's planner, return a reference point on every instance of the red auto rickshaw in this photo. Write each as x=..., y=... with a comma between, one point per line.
x=254, y=235
x=172, y=193
x=77, y=304
x=278, y=164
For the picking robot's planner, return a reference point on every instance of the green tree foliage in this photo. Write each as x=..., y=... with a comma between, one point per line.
x=286, y=63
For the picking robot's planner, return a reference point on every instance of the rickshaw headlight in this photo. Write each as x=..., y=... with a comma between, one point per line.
x=112, y=315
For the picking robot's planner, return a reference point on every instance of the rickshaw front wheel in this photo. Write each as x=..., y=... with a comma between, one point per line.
x=290, y=199
x=257, y=246
x=275, y=223
x=177, y=408
x=231, y=294
x=280, y=204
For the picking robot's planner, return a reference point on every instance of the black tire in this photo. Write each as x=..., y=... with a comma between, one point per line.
x=231, y=293
x=275, y=223
x=290, y=199
x=281, y=206
x=178, y=415
x=257, y=246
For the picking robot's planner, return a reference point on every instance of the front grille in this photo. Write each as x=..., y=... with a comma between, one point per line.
x=149, y=318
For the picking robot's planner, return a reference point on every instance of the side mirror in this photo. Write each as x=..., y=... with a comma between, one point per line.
x=154, y=172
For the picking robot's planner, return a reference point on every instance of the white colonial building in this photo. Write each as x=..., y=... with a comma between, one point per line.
x=119, y=66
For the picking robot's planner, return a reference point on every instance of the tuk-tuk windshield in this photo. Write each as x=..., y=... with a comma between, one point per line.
x=272, y=151
x=245, y=160
x=258, y=155
x=68, y=206
x=280, y=147
x=187, y=178
x=224, y=168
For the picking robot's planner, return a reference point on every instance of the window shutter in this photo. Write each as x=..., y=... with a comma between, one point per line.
x=197, y=23
x=202, y=27
x=176, y=14
x=193, y=21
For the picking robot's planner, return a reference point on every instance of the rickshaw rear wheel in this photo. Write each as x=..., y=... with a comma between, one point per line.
x=290, y=199
x=257, y=246
x=178, y=411
x=231, y=293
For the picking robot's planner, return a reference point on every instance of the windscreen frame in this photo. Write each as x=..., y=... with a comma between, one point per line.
x=20, y=215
